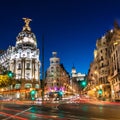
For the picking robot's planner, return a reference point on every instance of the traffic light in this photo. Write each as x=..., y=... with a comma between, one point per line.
x=83, y=83
x=100, y=92
x=10, y=74
x=60, y=93
x=33, y=92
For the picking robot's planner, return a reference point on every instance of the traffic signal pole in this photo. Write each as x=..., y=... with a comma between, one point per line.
x=42, y=68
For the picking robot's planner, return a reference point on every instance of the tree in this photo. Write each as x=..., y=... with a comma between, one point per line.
x=6, y=77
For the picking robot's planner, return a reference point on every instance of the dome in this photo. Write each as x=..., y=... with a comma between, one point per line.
x=26, y=38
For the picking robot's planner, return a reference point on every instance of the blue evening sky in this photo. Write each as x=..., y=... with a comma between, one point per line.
x=70, y=27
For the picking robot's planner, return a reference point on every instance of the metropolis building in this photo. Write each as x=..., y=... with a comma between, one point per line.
x=23, y=60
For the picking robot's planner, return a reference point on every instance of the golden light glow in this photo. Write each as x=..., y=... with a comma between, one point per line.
x=96, y=72
x=94, y=89
x=54, y=81
x=115, y=43
x=95, y=53
x=101, y=86
x=31, y=89
x=2, y=89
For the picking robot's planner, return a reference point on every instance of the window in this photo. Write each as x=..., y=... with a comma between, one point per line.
x=115, y=66
x=101, y=57
x=57, y=69
x=28, y=66
x=106, y=49
x=52, y=67
x=114, y=56
x=20, y=54
x=57, y=62
x=102, y=64
x=52, y=71
x=28, y=54
x=52, y=62
x=19, y=66
x=27, y=76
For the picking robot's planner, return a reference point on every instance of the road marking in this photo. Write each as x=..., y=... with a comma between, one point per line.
x=12, y=116
x=97, y=119
x=51, y=117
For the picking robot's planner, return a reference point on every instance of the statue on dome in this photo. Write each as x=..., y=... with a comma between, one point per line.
x=27, y=21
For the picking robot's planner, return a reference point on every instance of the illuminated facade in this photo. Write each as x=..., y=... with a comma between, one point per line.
x=114, y=76
x=23, y=61
x=105, y=70
x=57, y=79
x=99, y=70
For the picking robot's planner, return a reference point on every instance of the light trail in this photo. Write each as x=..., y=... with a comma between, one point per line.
x=15, y=116
x=38, y=115
x=12, y=116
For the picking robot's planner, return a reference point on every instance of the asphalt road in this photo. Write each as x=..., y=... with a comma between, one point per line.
x=61, y=112
x=93, y=111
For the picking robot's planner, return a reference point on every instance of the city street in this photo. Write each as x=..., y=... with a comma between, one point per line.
x=52, y=111
x=60, y=60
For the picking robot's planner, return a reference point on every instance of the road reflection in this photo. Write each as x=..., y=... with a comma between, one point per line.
x=62, y=112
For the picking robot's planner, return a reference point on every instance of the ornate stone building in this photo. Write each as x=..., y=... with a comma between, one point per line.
x=57, y=79
x=114, y=76
x=107, y=66
x=23, y=61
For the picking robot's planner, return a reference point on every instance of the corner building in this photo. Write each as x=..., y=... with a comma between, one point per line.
x=106, y=72
x=23, y=61
x=57, y=79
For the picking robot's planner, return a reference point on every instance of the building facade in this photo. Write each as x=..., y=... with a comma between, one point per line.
x=106, y=66
x=75, y=81
x=114, y=76
x=23, y=60
x=57, y=79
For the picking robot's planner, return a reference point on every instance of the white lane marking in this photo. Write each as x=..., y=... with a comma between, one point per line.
x=17, y=114
x=97, y=119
